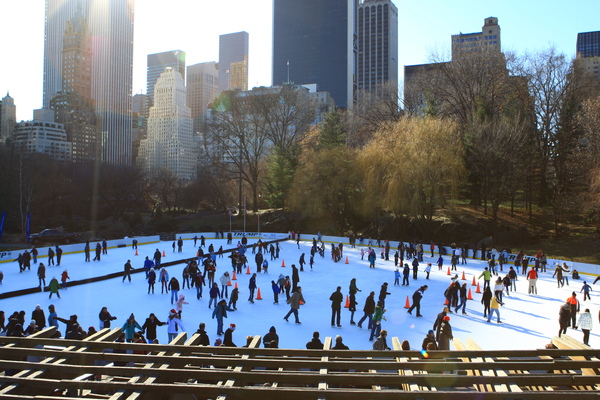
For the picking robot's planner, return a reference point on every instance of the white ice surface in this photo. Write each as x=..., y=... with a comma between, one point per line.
x=529, y=321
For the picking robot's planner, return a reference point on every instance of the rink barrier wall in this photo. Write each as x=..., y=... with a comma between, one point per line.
x=592, y=270
x=10, y=256
x=113, y=275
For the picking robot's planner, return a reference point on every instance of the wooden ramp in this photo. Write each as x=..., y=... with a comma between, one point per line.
x=98, y=368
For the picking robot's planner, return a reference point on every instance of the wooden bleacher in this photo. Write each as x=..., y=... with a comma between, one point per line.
x=41, y=367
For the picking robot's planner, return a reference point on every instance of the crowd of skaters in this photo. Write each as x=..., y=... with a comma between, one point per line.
x=193, y=277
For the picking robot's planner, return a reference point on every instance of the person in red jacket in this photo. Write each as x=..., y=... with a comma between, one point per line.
x=532, y=277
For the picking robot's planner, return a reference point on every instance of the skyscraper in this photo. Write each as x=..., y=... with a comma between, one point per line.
x=202, y=89
x=58, y=12
x=233, y=61
x=588, y=44
x=8, y=118
x=73, y=105
x=111, y=24
x=377, y=29
x=314, y=41
x=170, y=141
x=588, y=52
x=156, y=65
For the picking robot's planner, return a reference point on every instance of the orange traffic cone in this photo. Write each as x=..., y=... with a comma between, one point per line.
x=258, y=296
x=234, y=276
x=228, y=283
x=478, y=289
x=136, y=252
x=448, y=271
x=236, y=286
x=446, y=302
x=347, y=262
x=248, y=270
x=164, y=254
x=282, y=263
x=407, y=305
x=474, y=281
x=347, y=302
x=470, y=296
x=464, y=278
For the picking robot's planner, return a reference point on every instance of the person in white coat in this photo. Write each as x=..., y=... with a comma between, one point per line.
x=173, y=324
x=585, y=323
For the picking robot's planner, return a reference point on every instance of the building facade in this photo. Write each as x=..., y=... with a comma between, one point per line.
x=170, y=141
x=202, y=89
x=42, y=135
x=233, y=61
x=58, y=12
x=8, y=118
x=111, y=26
x=314, y=41
x=73, y=105
x=588, y=52
x=156, y=65
x=488, y=39
x=139, y=129
x=377, y=57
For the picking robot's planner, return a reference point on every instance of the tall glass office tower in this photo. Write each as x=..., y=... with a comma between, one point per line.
x=314, y=41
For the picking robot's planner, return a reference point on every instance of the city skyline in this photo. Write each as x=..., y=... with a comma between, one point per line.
x=423, y=27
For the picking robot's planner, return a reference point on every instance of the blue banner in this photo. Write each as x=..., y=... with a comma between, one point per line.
x=2, y=224
x=28, y=227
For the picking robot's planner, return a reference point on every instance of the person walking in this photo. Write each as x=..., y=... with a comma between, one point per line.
x=127, y=271
x=462, y=299
x=383, y=293
x=295, y=278
x=586, y=291
x=494, y=308
x=336, y=306
x=445, y=334
x=564, y=316
x=574, y=303
x=50, y=256
x=487, y=276
x=368, y=310
x=416, y=297
x=41, y=273
x=428, y=270
x=558, y=273
x=294, y=301
x=377, y=318
x=437, y=325
x=219, y=313
x=585, y=323
x=213, y=294
x=486, y=298
x=415, y=268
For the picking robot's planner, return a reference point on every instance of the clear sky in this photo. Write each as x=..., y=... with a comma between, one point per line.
x=194, y=26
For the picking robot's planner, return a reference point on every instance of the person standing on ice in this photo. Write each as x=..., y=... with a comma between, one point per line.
x=148, y=265
x=336, y=306
x=164, y=281
x=352, y=290
x=405, y=275
x=295, y=278
x=225, y=283
x=213, y=294
x=174, y=288
x=41, y=273
x=127, y=271
x=377, y=318
x=445, y=334
x=372, y=257
x=440, y=262
x=98, y=251
x=252, y=287
x=151, y=280
x=585, y=323
x=179, y=306
x=302, y=262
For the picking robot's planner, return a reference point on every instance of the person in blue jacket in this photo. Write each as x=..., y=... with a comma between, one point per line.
x=220, y=312
x=129, y=328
